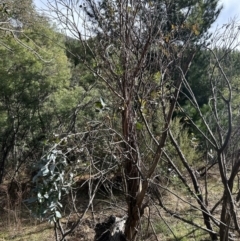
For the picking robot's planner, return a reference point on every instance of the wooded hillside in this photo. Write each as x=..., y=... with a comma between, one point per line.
x=127, y=122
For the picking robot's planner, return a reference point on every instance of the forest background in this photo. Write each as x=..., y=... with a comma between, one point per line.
x=131, y=109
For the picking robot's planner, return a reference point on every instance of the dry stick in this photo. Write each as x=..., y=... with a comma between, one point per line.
x=55, y=231
x=168, y=118
x=166, y=223
x=194, y=207
x=140, y=225
x=175, y=215
x=227, y=139
x=206, y=214
x=161, y=145
x=216, y=222
x=188, y=187
x=230, y=184
x=154, y=232
x=90, y=202
x=195, y=104
x=228, y=223
x=90, y=188
x=216, y=205
x=60, y=228
x=83, y=214
x=222, y=166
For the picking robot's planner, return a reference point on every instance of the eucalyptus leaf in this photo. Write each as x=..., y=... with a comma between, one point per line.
x=39, y=195
x=44, y=171
x=58, y=214
x=52, y=168
x=46, y=195
x=59, y=196
x=102, y=102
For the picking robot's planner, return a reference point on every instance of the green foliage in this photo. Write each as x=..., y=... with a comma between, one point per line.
x=101, y=106
x=46, y=90
x=203, y=14
x=23, y=14
x=86, y=92
x=53, y=180
x=33, y=71
x=198, y=79
x=188, y=143
x=179, y=25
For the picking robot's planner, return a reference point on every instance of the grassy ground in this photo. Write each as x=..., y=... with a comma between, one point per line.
x=24, y=232
x=17, y=224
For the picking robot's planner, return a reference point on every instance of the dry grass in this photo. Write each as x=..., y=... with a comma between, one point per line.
x=30, y=232
x=16, y=223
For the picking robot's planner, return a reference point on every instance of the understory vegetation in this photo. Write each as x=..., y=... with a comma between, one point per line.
x=119, y=113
